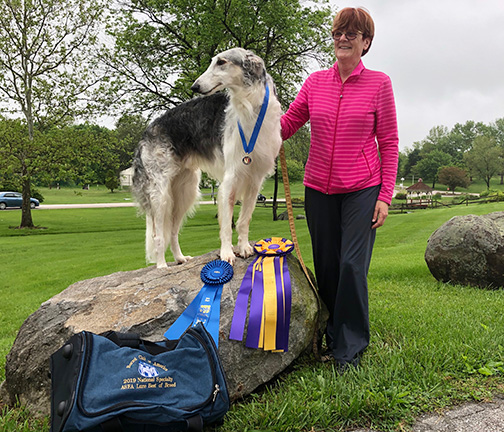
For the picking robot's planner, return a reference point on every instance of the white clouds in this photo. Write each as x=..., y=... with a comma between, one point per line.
x=444, y=57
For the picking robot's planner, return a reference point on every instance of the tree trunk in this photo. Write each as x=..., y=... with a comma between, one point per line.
x=26, y=216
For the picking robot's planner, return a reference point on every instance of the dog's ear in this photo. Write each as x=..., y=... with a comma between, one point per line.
x=254, y=67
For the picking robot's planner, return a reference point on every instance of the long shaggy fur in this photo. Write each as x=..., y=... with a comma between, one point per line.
x=202, y=134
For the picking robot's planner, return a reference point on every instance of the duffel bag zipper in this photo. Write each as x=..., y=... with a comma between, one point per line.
x=216, y=392
x=215, y=387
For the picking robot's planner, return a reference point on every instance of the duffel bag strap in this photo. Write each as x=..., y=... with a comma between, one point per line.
x=194, y=424
x=133, y=340
x=112, y=425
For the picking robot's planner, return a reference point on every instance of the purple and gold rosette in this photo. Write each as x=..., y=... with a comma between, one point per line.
x=267, y=283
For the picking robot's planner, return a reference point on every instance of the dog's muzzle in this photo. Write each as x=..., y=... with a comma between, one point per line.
x=196, y=87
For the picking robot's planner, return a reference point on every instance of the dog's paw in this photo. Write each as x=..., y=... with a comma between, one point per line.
x=246, y=250
x=228, y=256
x=162, y=265
x=183, y=259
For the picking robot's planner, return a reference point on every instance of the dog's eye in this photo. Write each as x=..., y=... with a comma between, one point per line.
x=221, y=62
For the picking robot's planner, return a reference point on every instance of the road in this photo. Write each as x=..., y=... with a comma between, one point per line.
x=100, y=205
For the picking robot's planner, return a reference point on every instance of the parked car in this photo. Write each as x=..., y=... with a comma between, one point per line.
x=15, y=199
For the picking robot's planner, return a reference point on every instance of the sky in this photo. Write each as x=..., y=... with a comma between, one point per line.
x=445, y=59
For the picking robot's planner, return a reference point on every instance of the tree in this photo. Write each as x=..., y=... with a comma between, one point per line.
x=413, y=157
x=162, y=46
x=49, y=155
x=453, y=177
x=97, y=150
x=462, y=136
x=484, y=159
x=496, y=130
x=428, y=166
x=45, y=47
x=297, y=147
x=401, y=165
x=129, y=130
x=111, y=181
x=436, y=139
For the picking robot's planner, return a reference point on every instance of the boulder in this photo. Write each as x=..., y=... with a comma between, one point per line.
x=148, y=301
x=468, y=250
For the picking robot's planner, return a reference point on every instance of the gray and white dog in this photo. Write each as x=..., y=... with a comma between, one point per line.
x=203, y=134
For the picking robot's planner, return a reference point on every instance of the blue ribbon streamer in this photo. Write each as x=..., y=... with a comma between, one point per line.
x=205, y=307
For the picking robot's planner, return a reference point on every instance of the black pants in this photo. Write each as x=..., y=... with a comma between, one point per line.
x=342, y=242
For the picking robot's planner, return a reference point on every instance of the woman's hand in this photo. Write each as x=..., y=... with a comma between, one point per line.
x=380, y=214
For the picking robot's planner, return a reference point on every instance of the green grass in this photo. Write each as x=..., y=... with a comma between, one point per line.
x=76, y=195
x=432, y=344
x=100, y=194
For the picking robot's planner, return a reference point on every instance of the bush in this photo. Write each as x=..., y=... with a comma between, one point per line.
x=401, y=195
x=112, y=181
x=492, y=193
x=35, y=193
x=295, y=169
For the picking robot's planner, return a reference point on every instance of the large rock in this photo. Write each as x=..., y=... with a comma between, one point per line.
x=468, y=250
x=147, y=301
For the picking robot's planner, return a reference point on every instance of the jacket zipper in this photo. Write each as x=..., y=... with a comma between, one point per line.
x=334, y=140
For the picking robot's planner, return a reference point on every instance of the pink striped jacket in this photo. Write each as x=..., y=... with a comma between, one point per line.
x=354, y=138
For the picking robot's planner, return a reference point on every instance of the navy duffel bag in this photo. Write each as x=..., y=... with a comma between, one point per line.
x=119, y=382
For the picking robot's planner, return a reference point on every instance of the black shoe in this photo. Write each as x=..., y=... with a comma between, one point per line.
x=327, y=356
x=343, y=367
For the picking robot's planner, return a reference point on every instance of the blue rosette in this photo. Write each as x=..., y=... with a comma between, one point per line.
x=217, y=272
x=205, y=308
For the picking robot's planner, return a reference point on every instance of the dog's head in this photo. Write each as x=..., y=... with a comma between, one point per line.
x=234, y=68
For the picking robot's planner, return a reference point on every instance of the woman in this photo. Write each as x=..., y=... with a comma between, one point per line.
x=349, y=177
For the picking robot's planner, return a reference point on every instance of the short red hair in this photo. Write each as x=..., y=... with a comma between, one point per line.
x=356, y=19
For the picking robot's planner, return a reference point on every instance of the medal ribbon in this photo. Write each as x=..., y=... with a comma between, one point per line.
x=249, y=147
x=205, y=307
x=268, y=281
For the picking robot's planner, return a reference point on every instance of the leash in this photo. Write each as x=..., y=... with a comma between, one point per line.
x=249, y=147
x=292, y=226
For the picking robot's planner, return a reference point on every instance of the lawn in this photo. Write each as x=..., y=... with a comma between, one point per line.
x=432, y=345
x=100, y=194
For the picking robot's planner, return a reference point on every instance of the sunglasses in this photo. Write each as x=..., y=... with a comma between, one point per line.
x=349, y=35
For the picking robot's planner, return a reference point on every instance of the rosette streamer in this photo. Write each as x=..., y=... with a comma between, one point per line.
x=267, y=282
x=205, y=307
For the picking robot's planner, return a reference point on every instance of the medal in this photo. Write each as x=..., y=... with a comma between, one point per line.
x=246, y=160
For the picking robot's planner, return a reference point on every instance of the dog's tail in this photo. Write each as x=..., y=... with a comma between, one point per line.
x=140, y=181
x=141, y=192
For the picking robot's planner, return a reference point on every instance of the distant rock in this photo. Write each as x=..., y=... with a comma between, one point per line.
x=468, y=250
x=148, y=301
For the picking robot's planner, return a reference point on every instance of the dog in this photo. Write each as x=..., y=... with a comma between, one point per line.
x=203, y=134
